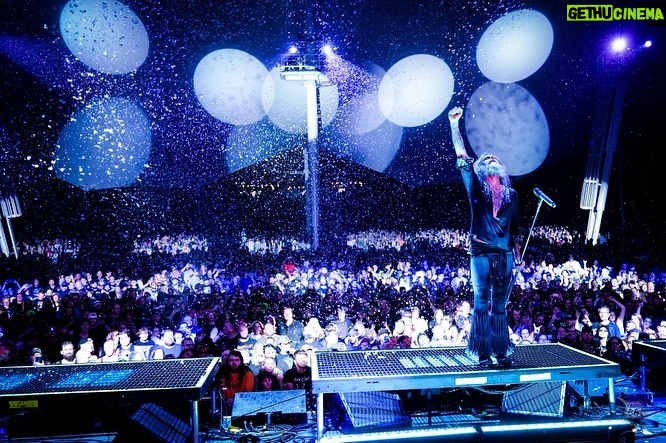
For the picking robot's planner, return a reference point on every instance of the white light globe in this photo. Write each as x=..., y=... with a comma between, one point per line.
x=106, y=35
x=515, y=46
x=506, y=120
x=228, y=84
x=105, y=145
x=415, y=90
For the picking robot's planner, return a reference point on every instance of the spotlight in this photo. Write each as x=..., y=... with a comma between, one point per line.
x=302, y=56
x=619, y=44
x=647, y=44
x=327, y=49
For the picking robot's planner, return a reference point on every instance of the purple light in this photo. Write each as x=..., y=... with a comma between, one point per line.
x=293, y=49
x=647, y=44
x=619, y=44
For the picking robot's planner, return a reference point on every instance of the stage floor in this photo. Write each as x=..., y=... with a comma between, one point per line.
x=446, y=372
x=428, y=368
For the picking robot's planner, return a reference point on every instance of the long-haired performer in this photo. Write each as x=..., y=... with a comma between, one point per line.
x=494, y=238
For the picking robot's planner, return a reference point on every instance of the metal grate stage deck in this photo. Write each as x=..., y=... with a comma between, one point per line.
x=66, y=399
x=649, y=356
x=188, y=378
x=430, y=368
x=652, y=348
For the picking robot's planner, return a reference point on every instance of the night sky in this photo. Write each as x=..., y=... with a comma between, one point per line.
x=44, y=87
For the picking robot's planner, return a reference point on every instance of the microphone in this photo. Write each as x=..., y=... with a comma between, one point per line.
x=539, y=193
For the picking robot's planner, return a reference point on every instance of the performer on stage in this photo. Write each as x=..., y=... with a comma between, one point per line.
x=494, y=247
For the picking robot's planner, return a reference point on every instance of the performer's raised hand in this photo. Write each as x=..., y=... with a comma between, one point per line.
x=455, y=114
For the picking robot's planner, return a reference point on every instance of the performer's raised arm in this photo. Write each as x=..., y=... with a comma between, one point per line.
x=458, y=142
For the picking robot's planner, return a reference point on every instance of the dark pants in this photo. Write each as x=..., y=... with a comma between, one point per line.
x=491, y=277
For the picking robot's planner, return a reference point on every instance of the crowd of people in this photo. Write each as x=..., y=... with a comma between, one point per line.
x=265, y=315
x=52, y=250
x=170, y=244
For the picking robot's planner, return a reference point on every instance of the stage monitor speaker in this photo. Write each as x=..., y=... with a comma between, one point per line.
x=543, y=398
x=152, y=424
x=361, y=411
x=272, y=407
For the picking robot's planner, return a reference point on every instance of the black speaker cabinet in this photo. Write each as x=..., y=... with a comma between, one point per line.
x=152, y=424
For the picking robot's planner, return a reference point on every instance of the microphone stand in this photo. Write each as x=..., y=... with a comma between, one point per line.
x=529, y=235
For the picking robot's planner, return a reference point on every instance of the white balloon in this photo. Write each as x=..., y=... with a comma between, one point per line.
x=106, y=35
x=515, y=46
x=506, y=120
x=228, y=84
x=105, y=145
x=285, y=102
x=415, y=90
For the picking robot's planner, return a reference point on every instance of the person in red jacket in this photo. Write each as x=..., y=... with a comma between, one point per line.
x=236, y=377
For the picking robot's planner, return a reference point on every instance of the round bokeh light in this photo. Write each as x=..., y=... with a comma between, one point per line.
x=106, y=35
x=359, y=112
x=250, y=144
x=105, y=145
x=515, y=46
x=228, y=84
x=374, y=149
x=506, y=120
x=415, y=90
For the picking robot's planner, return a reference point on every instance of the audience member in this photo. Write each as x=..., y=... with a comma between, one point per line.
x=144, y=344
x=235, y=377
x=36, y=357
x=267, y=381
x=68, y=354
x=169, y=346
x=86, y=352
x=300, y=376
x=289, y=327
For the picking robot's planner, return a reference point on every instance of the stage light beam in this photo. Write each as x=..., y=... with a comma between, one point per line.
x=506, y=120
x=105, y=145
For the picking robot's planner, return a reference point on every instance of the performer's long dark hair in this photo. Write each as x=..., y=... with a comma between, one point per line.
x=482, y=171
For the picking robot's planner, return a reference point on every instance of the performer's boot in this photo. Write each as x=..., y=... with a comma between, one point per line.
x=479, y=343
x=500, y=343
